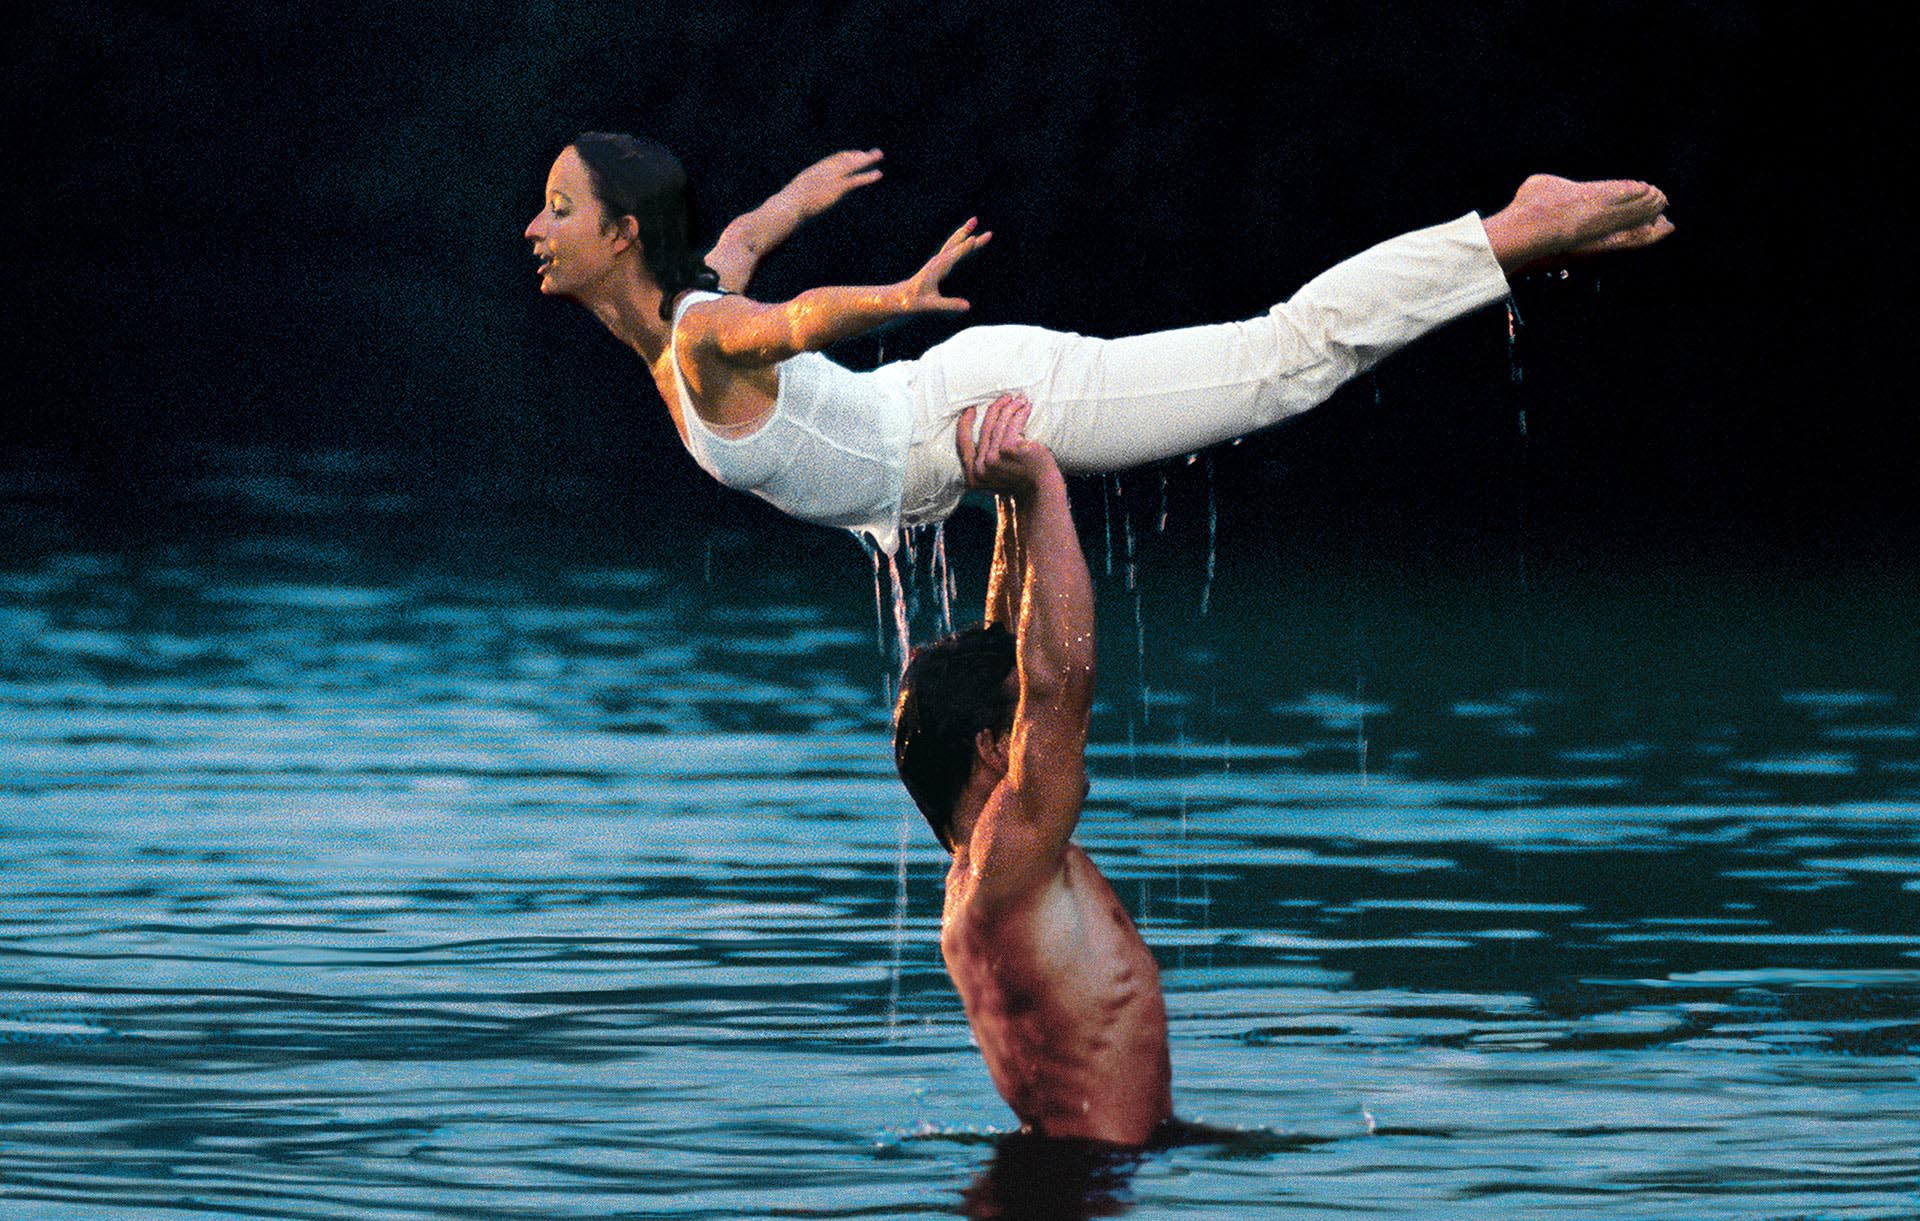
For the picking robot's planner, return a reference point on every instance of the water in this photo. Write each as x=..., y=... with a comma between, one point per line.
x=342, y=889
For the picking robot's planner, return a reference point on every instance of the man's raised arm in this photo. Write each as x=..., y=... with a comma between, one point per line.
x=1045, y=583
x=1005, y=577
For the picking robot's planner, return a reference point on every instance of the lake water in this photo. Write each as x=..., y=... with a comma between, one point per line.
x=343, y=887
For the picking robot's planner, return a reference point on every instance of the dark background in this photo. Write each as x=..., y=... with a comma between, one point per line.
x=295, y=229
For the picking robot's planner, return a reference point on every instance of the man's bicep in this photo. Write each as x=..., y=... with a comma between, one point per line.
x=1021, y=840
x=1048, y=765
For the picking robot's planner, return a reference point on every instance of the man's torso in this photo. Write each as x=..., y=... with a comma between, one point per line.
x=1064, y=999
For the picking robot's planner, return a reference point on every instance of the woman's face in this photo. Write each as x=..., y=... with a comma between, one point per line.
x=570, y=235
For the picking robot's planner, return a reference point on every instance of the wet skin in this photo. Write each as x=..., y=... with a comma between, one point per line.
x=729, y=350
x=1062, y=994
x=1064, y=1000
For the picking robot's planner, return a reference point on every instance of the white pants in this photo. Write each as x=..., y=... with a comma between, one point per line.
x=1110, y=404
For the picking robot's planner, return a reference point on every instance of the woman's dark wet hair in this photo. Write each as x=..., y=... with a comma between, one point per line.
x=953, y=688
x=639, y=178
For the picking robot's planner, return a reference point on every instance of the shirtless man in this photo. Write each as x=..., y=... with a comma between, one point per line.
x=990, y=738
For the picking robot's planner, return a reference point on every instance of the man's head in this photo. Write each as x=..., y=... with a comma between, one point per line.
x=953, y=689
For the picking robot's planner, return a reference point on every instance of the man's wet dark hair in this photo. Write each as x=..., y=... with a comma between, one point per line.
x=953, y=688
x=639, y=178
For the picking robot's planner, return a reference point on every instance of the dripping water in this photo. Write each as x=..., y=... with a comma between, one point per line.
x=900, y=624
x=1140, y=660
x=888, y=574
x=909, y=540
x=899, y=925
x=942, y=573
x=1361, y=654
x=1133, y=587
x=1516, y=374
x=902, y=638
x=1106, y=505
x=1360, y=724
x=886, y=578
x=1213, y=526
x=879, y=613
x=1180, y=849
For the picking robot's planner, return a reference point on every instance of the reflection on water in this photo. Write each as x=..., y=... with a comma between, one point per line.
x=340, y=891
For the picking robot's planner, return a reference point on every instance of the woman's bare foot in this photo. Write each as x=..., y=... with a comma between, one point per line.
x=1556, y=218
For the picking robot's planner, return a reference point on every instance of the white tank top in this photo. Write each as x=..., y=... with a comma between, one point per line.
x=834, y=450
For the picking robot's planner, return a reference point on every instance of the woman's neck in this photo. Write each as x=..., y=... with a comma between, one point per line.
x=631, y=310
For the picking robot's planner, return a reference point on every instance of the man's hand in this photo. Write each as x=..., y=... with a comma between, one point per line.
x=1003, y=459
x=1040, y=588
x=824, y=183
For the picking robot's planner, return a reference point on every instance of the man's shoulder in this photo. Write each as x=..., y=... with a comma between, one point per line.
x=998, y=895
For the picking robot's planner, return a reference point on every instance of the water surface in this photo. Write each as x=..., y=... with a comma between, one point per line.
x=344, y=887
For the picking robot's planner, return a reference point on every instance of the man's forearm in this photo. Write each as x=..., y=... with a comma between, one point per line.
x=1056, y=646
x=1005, y=578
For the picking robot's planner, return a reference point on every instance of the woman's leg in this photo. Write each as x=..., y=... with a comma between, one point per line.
x=1110, y=404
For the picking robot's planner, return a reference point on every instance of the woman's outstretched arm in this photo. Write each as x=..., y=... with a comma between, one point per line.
x=750, y=333
x=754, y=235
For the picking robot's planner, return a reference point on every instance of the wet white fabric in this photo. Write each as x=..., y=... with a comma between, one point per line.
x=827, y=452
x=833, y=451
x=1110, y=404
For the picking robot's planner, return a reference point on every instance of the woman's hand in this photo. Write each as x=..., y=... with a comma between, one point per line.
x=825, y=182
x=756, y=234
x=746, y=332
x=921, y=294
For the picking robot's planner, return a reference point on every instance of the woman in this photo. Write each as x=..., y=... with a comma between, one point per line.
x=762, y=410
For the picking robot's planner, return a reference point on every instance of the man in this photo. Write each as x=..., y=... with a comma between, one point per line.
x=990, y=737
